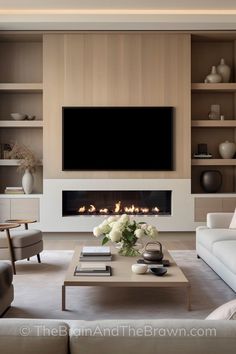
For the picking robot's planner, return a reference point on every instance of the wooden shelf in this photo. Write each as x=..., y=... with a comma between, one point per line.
x=220, y=87
x=21, y=124
x=12, y=162
x=15, y=196
x=18, y=87
x=213, y=123
x=213, y=162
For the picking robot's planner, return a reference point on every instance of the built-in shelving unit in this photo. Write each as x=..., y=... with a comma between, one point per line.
x=21, y=90
x=207, y=50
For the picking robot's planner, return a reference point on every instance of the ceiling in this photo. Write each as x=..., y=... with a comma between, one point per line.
x=118, y=15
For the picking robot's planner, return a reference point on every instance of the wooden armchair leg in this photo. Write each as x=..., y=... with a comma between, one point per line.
x=39, y=259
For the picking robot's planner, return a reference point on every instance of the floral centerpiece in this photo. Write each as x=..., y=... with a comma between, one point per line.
x=125, y=231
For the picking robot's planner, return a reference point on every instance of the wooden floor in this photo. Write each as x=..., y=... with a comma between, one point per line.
x=64, y=241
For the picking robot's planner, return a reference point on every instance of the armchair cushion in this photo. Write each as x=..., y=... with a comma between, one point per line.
x=21, y=238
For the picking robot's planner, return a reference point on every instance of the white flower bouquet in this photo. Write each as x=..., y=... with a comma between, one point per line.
x=126, y=231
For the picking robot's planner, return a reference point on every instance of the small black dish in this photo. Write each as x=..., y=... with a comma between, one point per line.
x=160, y=271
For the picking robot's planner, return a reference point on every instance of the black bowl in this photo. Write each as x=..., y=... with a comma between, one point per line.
x=160, y=271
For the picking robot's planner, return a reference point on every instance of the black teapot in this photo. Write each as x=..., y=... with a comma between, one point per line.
x=153, y=255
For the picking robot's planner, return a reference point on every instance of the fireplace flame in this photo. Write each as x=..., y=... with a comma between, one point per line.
x=144, y=210
x=92, y=209
x=103, y=211
x=117, y=207
x=156, y=210
x=82, y=209
x=130, y=209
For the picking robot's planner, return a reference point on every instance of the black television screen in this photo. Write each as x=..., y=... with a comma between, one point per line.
x=117, y=138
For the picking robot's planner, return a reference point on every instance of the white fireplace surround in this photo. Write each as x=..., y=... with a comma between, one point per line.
x=51, y=218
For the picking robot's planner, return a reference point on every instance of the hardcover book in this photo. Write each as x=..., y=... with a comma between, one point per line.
x=93, y=272
x=96, y=251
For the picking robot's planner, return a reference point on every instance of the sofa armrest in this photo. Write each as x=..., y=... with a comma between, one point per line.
x=219, y=220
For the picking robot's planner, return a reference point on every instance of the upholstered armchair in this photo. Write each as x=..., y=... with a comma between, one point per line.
x=19, y=243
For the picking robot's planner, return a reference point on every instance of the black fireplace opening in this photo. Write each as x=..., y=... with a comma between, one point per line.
x=148, y=202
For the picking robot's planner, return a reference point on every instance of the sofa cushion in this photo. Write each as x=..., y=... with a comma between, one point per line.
x=208, y=237
x=6, y=276
x=152, y=336
x=224, y=312
x=225, y=251
x=21, y=238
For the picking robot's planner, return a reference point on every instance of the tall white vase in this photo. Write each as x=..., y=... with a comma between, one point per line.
x=27, y=181
x=224, y=70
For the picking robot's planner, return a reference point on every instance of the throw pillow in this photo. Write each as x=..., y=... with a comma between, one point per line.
x=224, y=312
x=233, y=221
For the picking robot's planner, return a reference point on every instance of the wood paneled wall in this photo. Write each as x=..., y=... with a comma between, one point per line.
x=116, y=69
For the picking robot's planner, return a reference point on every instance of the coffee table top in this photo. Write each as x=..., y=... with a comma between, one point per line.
x=122, y=275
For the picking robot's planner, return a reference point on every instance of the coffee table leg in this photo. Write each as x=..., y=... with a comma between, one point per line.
x=189, y=298
x=63, y=304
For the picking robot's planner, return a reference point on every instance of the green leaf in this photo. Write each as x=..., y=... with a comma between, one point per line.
x=141, y=223
x=105, y=240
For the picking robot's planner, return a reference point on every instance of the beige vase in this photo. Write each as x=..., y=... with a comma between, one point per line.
x=213, y=77
x=227, y=149
x=224, y=70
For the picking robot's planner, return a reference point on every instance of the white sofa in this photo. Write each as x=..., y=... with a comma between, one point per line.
x=216, y=245
x=27, y=336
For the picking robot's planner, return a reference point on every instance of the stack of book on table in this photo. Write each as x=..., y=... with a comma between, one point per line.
x=95, y=254
x=14, y=190
x=92, y=269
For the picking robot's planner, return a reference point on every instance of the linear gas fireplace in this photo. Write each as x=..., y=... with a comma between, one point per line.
x=116, y=202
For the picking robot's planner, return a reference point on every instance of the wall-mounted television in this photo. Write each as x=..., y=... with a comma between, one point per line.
x=117, y=138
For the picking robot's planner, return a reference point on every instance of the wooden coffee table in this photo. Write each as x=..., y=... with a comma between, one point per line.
x=122, y=276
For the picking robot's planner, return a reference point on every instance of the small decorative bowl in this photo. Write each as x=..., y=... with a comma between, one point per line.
x=139, y=268
x=160, y=271
x=18, y=116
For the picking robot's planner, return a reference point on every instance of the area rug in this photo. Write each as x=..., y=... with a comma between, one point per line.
x=38, y=293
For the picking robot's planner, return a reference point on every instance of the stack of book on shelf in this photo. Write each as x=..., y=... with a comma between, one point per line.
x=95, y=254
x=92, y=269
x=14, y=190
